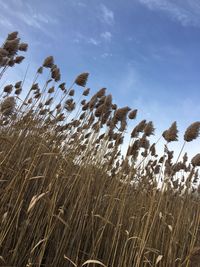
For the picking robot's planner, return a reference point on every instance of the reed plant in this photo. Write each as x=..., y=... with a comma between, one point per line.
x=70, y=197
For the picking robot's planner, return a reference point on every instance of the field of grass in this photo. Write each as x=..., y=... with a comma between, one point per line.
x=68, y=197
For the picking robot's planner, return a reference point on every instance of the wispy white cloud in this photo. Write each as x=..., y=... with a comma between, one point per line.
x=93, y=41
x=106, y=55
x=24, y=12
x=40, y=17
x=107, y=15
x=30, y=21
x=187, y=12
x=103, y=37
x=107, y=36
x=76, y=3
x=4, y=22
x=80, y=38
x=81, y=4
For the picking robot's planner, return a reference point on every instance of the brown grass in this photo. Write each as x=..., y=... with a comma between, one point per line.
x=67, y=195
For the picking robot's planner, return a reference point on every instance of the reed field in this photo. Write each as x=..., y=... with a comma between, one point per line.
x=70, y=197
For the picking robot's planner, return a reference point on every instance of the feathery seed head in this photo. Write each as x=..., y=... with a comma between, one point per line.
x=19, y=59
x=192, y=132
x=141, y=126
x=185, y=158
x=30, y=100
x=134, y=132
x=48, y=62
x=51, y=90
x=81, y=79
x=99, y=111
x=11, y=46
x=196, y=160
x=161, y=160
x=149, y=129
x=11, y=36
x=48, y=102
x=171, y=134
x=101, y=92
x=55, y=74
x=23, y=47
x=3, y=61
x=8, y=88
x=7, y=106
x=153, y=149
x=38, y=95
x=92, y=102
x=40, y=70
x=143, y=142
x=132, y=115
x=121, y=113
x=85, y=106
x=83, y=102
x=18, y=84
x=18, y=91
x=35, y=86
x=3, y=52
x=86, y=92
x=71, y=92
x=11, y=62
x=62, y=86
x=108, y=101
x=114, y=106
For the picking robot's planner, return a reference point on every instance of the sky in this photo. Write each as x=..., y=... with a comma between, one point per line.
x=145, y=52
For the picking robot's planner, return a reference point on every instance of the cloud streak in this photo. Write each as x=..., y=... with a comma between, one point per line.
x=81, y=39
x=26, y=15
x=107, y=15
x=107, y=36
x=186, y=12
x=93, y=41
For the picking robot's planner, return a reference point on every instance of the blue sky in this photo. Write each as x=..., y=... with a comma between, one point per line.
x=145, y=52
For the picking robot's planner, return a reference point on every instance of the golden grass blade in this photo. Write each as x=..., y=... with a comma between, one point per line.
x=40, y=242
x=34, y=200
x=36, y=177
x=74, y=264
x=93, y=261
x=159, y=258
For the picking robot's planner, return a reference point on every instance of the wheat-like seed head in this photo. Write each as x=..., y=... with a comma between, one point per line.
x=23, y=47
x=11, y=36
x=86, y=92
x=149, y=129
x=48, y=62
x=81, y=79
x=55, y=73
x=171, y=134
x=18, y=84
x=8, y=88
x=3, y=52
x=132, y=115
x=121, y=113
x=196, y=160
x=11, y=46
x=40, y=70
x=192, y=132
x=19, y=59
x=71, y=92
x=7, y=106
x=101, y=92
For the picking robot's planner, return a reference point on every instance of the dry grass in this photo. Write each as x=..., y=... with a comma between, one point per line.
x=68, y=197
